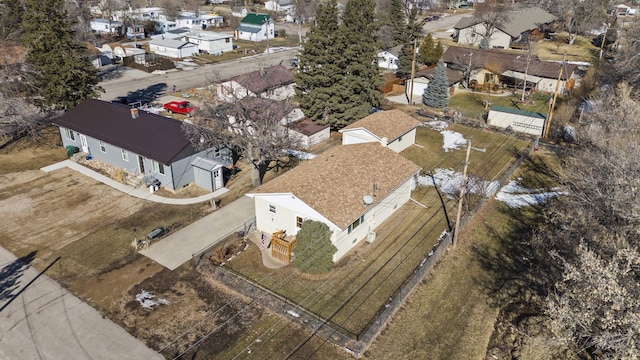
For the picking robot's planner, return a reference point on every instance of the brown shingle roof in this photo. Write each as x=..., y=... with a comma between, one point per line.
x=390, y=124
x=306, y=126
x=260, y=81
x=452, y=76
x=505, y=60
x=153, y=136
x=335, y=182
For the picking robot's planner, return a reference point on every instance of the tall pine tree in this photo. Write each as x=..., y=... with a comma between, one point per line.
x=436, y=95
x=319, y=72
x=10, y=18
x=357, y=92
x=427, y=51
x=66, y=76
x=412, y=33
x=397, y=21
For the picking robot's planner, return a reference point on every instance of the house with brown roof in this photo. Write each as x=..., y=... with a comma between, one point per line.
x=509, y=69
x=351, y=188
x=521, y=25
x=421, y=79
x=142, y=144
x=392, y=128
x=308, y=133
x=275, y=82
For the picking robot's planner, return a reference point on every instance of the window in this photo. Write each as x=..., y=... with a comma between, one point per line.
x=227, y=40
x=299, y=221
x=473, y=34
x=216, y=153
x=355, y=224
x=103, y=147
x=272, y=208
x=69, y=134
x=125, y=155
x=157, y=167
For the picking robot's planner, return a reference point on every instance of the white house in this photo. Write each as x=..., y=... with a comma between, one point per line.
x=393, y=129
x=308, y=133
x=280, y=6
x=212, y=20
x=103, y=26
x=390, y=58
x=172, y=48
x=209, y=42
x=255, y=27
x=517, y=120
x=521, y=23
x=189, y=22
x=350, y=188
x=275, y=82
x=239, y=11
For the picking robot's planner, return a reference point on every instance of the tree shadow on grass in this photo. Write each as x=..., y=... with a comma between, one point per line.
x=10, y=275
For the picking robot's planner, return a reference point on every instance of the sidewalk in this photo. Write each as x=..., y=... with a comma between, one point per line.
x=42, y=320
x=139, y=192
x=179, y=247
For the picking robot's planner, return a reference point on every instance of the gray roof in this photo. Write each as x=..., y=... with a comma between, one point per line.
x=519, y=21
x=249, y=29
x=206, y=164
x=153, y=136
x=171, y=43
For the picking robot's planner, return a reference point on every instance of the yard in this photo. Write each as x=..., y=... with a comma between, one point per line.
x=91, y=226
x=362, y=283
x=472, y=104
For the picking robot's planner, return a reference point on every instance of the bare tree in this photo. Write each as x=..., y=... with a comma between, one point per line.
x=492, y=15
x=171, y=8
x=580, y=16
x=254, y=128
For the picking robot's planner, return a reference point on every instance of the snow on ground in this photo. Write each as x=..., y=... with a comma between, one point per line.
x=145, y=298
x=452, y=140
x=517, y=196
x=301, y=155
x=449, y=182
x=438, y=125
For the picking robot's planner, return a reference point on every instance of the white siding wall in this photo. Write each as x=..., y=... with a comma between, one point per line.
x=280, y=93
x=520, y=123
x=344, y=241
x=419, y=86
x=403, y=142
x=471, y=36
x=357, y=136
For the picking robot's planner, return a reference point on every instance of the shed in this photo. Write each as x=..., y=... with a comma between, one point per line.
x=523, y=121
x=207, y=173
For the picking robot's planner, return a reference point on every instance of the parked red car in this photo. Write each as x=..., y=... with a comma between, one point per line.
x=179, y=107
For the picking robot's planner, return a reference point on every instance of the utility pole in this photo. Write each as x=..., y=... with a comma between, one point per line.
x=555, y=97
x=469, y=70
x=413, y=70
x=526, y=71
x=462, y=191
x=266, y=21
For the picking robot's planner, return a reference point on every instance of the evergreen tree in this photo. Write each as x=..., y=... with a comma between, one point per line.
x=10, y=18
x=397, y=22
x=66, y=76
x=427, y=51
x=412, y=30
x=314, y=249
x=436, y=95
x=484, y=43
x=438, y=52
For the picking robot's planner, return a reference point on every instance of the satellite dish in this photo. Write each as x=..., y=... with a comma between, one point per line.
x=367, y=199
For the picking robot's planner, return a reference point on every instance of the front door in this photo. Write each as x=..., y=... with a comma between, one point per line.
x=141, y=164
x=83, y=141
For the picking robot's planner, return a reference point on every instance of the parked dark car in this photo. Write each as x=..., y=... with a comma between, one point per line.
x=157, y=233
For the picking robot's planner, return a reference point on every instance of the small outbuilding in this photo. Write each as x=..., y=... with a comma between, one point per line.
x=523, y=121
x=173, y=48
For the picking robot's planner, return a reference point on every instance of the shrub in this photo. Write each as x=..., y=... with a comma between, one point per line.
x=314, y=250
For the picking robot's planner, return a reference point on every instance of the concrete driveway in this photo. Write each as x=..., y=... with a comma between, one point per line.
x=39, y=319
x=179, y=247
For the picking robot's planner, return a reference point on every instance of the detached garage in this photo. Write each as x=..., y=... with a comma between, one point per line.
x=173, y=48
x=517, y=120
x=208, y=174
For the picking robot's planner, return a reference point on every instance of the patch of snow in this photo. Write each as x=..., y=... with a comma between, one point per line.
x=438, y=125
x=452, y=140
x=145, y=298
x=517, y=196
x=300, y=154
x=449, y=182
x=293, y=313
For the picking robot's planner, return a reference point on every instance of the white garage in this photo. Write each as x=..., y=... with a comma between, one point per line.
x=517, y=120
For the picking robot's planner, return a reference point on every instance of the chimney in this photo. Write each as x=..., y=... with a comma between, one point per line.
x=384, y=141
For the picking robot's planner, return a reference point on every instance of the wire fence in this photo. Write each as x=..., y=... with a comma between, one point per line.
x=355, y=344
x=241, y=231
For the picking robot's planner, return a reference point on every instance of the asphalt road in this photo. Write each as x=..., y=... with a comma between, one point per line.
x=138, y=85
x=39, y=319
x=443, y=27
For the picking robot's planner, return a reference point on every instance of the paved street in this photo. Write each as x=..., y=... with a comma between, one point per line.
x=42, y=320
x=138, y=84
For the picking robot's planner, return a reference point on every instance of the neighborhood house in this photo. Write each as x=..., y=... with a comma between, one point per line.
x=151, y=147
x=275, y=82
x=393, y=129
x=351, y=188
x=177, y=49
x=390, y=58
x=522, y=25
x=255, y=27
